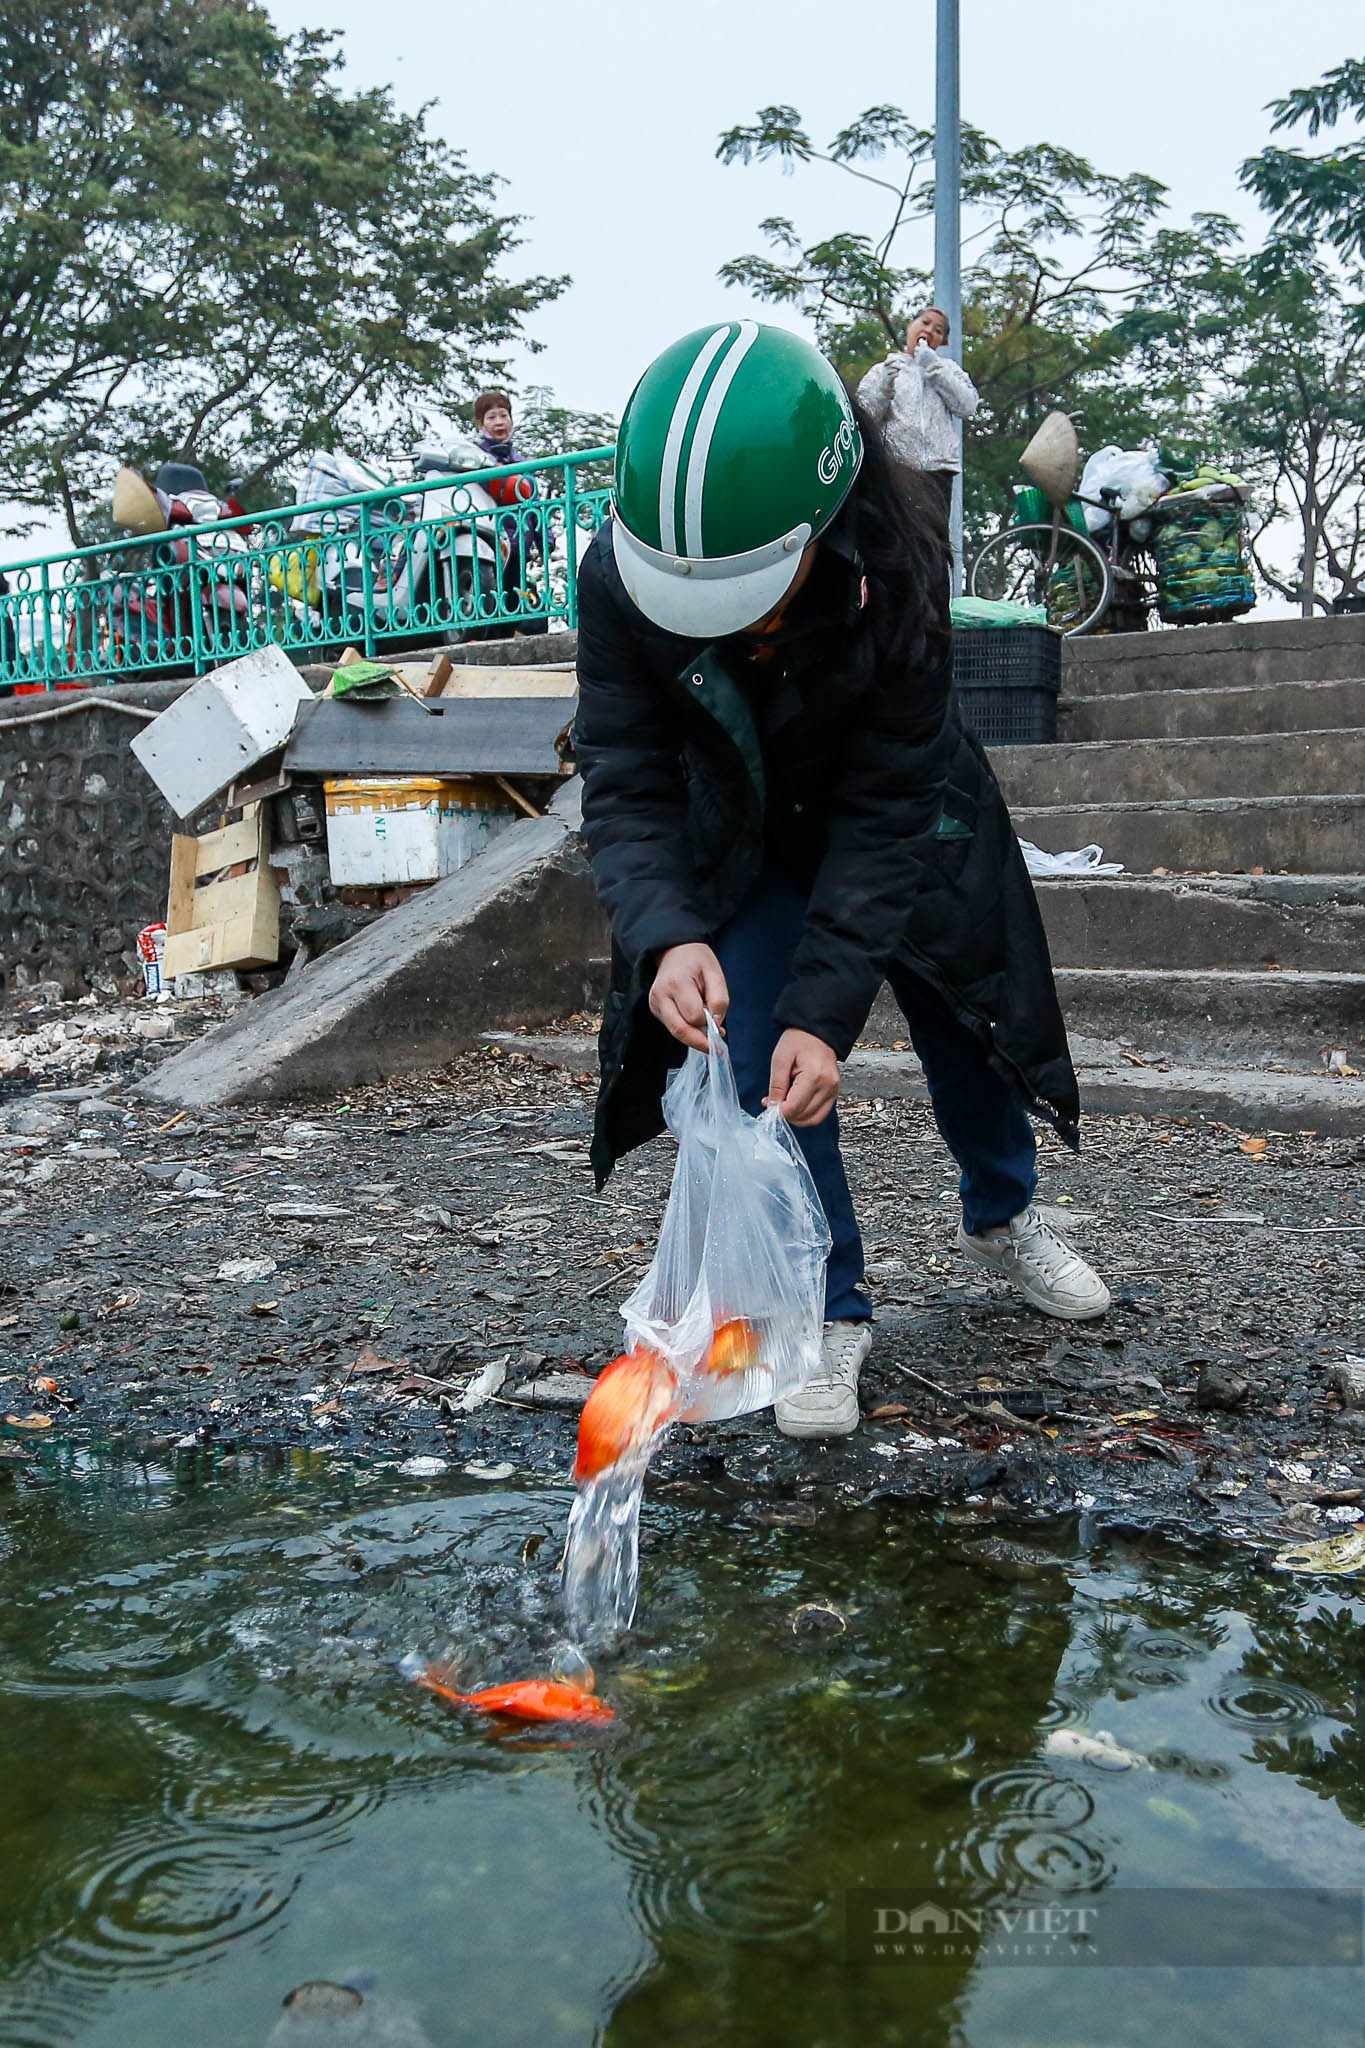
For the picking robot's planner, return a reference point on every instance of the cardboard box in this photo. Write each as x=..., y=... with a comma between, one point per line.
x=224, y=903
x=222, y=726
x=387, y=829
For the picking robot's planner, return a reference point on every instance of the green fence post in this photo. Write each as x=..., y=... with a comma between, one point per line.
x=196, y=606
x=367, y=579
x=570, y=547
x=47, y=629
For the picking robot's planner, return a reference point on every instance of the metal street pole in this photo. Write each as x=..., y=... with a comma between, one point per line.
x=948, y=221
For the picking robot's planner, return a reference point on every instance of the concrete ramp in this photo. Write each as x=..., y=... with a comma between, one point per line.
x=514, y=939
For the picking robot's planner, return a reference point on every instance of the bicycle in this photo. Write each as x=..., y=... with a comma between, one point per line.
x=1058, y=565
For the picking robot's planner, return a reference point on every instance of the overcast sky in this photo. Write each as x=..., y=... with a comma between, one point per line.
x=603, y=118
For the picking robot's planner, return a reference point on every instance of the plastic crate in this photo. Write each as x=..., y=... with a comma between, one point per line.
x=1005, y=684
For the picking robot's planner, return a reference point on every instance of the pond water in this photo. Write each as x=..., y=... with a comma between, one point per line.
x=216, y=1786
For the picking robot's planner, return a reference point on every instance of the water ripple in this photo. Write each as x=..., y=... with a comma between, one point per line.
x=1032, y=1793
x=1021, y=1857
x=1264, y=1703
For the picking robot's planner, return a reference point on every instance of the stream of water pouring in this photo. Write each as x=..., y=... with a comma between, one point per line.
x=602, y=1553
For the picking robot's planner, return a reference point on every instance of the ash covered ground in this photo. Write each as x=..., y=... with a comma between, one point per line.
x=344, y=1274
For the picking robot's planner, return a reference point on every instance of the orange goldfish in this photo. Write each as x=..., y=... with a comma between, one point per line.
x=525, y=1699
x=633, y=1398
x=734, y=1348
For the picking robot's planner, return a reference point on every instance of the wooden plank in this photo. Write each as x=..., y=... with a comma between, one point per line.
x=180, y=894
x=494, y=736
x=469, y=681
x=438, y=675
x=250, y=939
x=229, y=844
x=234, y=896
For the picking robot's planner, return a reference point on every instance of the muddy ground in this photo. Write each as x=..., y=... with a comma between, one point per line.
x=408, y=1236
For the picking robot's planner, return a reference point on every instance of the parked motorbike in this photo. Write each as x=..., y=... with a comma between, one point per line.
x=426, y=569
x=144, y=616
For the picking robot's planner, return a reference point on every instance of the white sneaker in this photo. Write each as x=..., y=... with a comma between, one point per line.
x=1041, y=1265
x=828, y=1404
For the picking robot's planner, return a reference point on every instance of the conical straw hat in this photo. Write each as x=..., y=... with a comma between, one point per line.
x=1052, y=458
x=135, y=505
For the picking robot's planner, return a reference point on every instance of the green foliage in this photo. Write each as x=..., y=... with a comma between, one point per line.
x=1267, y=345
x=1079, y=296
x=209, y=249
x=1052, y=247
x=1320, y=195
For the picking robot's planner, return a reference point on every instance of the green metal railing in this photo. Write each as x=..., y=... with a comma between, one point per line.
x=404, y=565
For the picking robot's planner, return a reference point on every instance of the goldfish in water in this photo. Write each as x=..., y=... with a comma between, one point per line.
x=525, y=1699
x=633, y=1398
x=734, y=1348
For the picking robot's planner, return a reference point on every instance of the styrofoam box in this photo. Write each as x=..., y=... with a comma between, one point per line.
x=409, y=828
x=222, y=726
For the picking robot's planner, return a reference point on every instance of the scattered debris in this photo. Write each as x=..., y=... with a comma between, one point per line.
x=247, y=1271
x=1348, y=1380
x=815, y=1617
x=1099, y=1749
x=1335, y=1555
x=554, y=1390
x=482, y=1387
x=1219, y=1387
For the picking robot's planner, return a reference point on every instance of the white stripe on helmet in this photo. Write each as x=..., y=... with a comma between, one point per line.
x=706, y=427
x=677, y=427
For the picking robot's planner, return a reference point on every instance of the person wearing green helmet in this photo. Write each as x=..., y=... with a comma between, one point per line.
x=782, y=810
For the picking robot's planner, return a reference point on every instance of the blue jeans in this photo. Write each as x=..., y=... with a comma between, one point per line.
x=979, y=1117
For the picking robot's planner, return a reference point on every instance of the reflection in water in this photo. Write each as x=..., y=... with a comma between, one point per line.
x=220, y=1794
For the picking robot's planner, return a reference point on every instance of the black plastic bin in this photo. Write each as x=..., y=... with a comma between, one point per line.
x=1005, y=683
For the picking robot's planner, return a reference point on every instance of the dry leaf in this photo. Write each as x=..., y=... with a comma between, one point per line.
x=1253, y=1147
x=264, y=1308
x=29, y=1421
x=45, y=1384
x=889, y=1412
x=329, y=1408
x=1158, y=1137
x=1137, y=1415
x=367, y=1361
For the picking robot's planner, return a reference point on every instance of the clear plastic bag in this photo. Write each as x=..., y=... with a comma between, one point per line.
x=1133, y=471
x=728, y=1318
x=744, y=1241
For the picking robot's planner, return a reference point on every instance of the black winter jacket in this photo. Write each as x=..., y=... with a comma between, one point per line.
x=696, y=776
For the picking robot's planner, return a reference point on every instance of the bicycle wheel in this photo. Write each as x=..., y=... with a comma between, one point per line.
x=1054, y=566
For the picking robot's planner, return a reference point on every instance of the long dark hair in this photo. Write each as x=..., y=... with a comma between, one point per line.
x=900, y=535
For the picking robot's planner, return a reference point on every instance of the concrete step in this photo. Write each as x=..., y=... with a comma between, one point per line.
x=1243, y=654
x=1251, y=1099
x=1248, y=921
x=1220, y=1015
x=1226, y=1016
x=1303, y=835
x=1250, y=764
x=1203, y=714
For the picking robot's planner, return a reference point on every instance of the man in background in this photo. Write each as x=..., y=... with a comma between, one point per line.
x=916, y=397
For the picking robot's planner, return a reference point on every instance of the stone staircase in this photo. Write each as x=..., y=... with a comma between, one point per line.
x=1225, y=767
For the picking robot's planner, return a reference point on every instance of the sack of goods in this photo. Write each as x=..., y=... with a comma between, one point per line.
x=1203, y=574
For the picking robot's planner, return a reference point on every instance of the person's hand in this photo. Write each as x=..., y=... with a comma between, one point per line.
x=804, y=1081
x=689, y=982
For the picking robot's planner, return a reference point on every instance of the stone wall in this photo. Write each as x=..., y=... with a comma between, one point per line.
x=85, y=839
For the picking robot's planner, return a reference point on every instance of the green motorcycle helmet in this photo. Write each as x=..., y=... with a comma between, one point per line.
x=737, y=449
